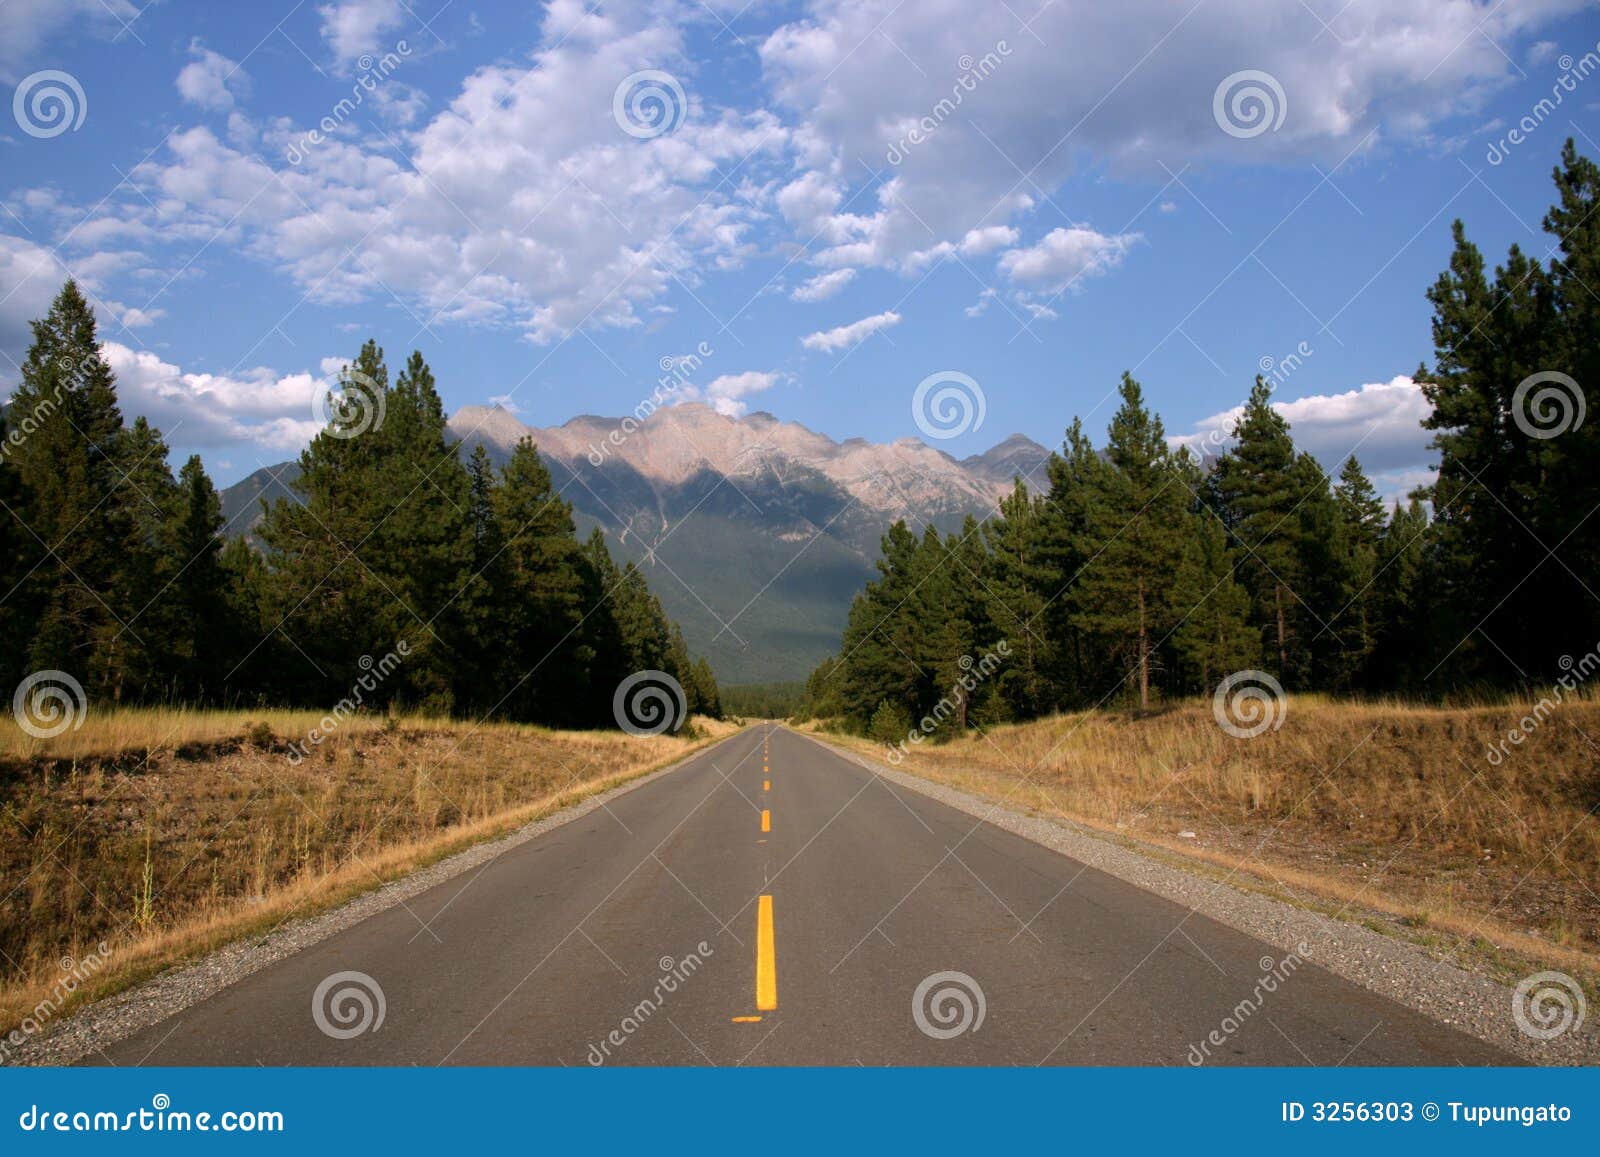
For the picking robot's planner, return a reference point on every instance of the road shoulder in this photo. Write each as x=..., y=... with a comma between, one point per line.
x=1392, y=968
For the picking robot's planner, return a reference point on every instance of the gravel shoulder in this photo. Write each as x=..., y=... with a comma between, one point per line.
x=1392, y=968
x=98, y=1025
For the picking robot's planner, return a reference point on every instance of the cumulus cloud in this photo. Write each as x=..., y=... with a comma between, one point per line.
x=838, y=338
x=29, y=279
x=727, y=394
x=26, y=25
x=210, y=80
x=520, y=202
x=823, y=285
x=256, y=408
x=353, y=28
x=524, y=203
x=855, y=73
x=1064, y=256
x=1379, y=422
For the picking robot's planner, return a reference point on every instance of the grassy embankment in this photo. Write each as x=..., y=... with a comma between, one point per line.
x=1391, y=814
x=168, y=833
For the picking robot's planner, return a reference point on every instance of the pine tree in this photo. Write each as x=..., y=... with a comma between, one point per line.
x=1401, y=611
x=546, y=678
x=1325, y=592
x=71, y=471
x=1133, y=540
x=197, y=592
x=1517, y=468
x=609, y=660
x=879, y=636
x=1016, y=601
x=1214, y=637
x=19, y=551
x=1255, y=482
x=1064, y=529
x=324, y=602
x=250, y=653
x=419, y=551
x=1362, y=522
x=708, y=700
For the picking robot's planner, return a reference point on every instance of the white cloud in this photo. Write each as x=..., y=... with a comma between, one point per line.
x=1380, y=422
x=25, y=26
x=133, y=317
x=823, y=285
x=727, y=394
x=352, y=28
x=256, y=408
x=210, y=80
x=986, y=240
x=1541, y=51
x=853, y=74
x=523, y=202
x=828, y=341
x=29, y=279
x=1064, y=256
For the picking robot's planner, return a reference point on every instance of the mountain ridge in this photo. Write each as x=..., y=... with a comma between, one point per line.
x=755, y=532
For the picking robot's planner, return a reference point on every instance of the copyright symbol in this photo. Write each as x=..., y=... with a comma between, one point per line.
x=1430, y=1112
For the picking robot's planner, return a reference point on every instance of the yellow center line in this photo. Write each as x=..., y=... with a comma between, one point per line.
x=766, y=963
x=766, y=785
x=766, y=820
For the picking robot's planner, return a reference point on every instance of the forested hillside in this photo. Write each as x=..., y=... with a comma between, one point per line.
x=1143, y=574
x=399, y=573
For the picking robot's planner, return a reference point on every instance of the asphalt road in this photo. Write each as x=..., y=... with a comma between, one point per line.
x=679, y=926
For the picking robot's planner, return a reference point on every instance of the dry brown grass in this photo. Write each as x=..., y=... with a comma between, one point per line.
x=167, y=833
x=1386, y=810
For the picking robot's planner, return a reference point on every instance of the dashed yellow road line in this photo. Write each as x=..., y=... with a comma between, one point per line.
x=766, y=962
x=766, y=820
x=766, y=785
x=747, y=1020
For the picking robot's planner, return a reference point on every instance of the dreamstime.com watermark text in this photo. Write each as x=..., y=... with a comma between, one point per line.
x=159, y=1117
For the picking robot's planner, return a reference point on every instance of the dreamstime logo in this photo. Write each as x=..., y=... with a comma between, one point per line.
x=649, y=104
x=373, y=73
x=373, y=673
x=1550, y=411
x=1278, y=370
x=1249, y=103
x=1248, y=703
x=675, y=374
x=1575, y=672
x=648, y=703
x=48, y=103
x=1573, y=73
x=46, y=703
x=948, y=1004
x=1548, y=1004
x=973, y=673
x=973, y=73
x=948, y=404
x=347, y=1004
x=75, y=973
x=674, y=974
x=1273, y=974
x=357, y=404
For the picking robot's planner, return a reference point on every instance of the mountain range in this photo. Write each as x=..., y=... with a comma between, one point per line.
x=755, y=533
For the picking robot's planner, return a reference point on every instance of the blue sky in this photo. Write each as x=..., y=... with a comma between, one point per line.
x=1094, y=202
